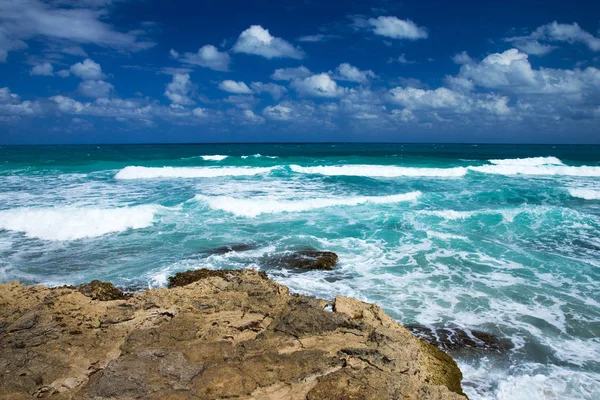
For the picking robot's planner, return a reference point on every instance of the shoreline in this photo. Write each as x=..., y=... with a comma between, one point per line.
x=212, y=334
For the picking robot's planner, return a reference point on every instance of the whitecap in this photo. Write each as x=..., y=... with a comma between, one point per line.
x=214, y=158
x=71, y=223
x=132, y=172
x=537, y=170
x=385, y=171
x=530, y=161
x=257, y=206
x=586, y=194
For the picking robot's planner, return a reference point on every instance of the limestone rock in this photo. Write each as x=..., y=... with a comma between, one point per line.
x=232, y=334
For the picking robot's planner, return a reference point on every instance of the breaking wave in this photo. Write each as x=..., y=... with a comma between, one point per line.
x=255, y=207
x=386, y=171
x=132, y=172
x=71, y=223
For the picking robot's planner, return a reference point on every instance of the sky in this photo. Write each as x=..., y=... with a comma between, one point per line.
x=155, y=71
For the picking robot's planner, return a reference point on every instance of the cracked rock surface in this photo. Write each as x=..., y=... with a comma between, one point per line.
x=234, y=335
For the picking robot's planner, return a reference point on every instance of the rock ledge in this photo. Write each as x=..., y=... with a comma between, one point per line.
x=230, y=334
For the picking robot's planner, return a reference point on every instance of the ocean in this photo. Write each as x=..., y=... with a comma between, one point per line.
x=503, y=239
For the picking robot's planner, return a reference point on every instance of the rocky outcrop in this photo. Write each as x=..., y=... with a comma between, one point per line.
x=452, y=339
x=303, y=260
x=230, y=334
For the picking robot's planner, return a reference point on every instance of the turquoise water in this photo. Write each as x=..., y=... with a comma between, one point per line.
x=503, y=239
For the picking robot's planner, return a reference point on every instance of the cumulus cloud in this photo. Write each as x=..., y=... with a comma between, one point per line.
x=208, y=56
x=289, y=74
x=235, y=87
x=76, y=22
x=278, y=112
x=319, y=85
x=462, y=58
x=95, y=89
x=179, y=89
x=258, y=41
x=12, y=106
x=87, y=69
x=554, y=32
x=512, y=71
x=446, y=99
x=44, y=69
x=347, y=72
x=276, y=91
x=248, y=117
x=396, y=28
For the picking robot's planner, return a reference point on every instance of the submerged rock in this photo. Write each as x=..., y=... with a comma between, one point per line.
x=303, y=260
x=449, y=339
x=103, y=291
x=230, y=334
x=239, y=247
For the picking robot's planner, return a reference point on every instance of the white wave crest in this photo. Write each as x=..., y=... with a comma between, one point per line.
x=132, y=172
x=586, y=194
x=214, y=158
x=258, y=155
x=255, y=207
x=386, y=171
x=530, y=161
x=537, y=170
x=70, y=223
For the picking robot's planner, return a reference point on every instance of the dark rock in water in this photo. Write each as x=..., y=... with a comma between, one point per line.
x=103, y=291
x=449, y=339
x=230, y=248
x=304, y=259
x=187, y=277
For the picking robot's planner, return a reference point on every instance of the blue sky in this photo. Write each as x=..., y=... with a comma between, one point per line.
x=124, y=71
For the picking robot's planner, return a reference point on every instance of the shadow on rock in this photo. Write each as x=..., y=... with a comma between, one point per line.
x=450, y=339
x=188, y=277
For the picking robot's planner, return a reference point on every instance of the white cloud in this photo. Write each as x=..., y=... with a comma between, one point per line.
x=462, y=58
x=63, y=73
x=208, y=56
x=96, y=89
x=404, y=115
x=347, y=72
x=278, y=112
x=320, y=85
x=276, y=91
x=235, y=87
x=316, y=38
x=396, y=28
x=250, y=117
x=257, y=40
x=555, y=32
x=179, y=90
x=12, y=106
x=512, y=71
x=199, y=112
x=88, y=69
x=289, y=74
x=44, y=69
x=242, y=101
x=60, y=21
x=401, y=59
x=446, y=99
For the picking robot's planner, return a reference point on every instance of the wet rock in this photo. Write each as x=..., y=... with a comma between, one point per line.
x=188, y=277
x=238, y=247
x=225, y=334
x=303, y=260
x=449, y=339
x=102, y=291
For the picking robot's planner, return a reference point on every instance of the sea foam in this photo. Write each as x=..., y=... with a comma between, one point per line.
x=214, y=158
x=531, y=161
x=255, y=207
x=132, y=172
x=70, y=223
x=537, y=170
x=386, y=171
x=586, y=194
